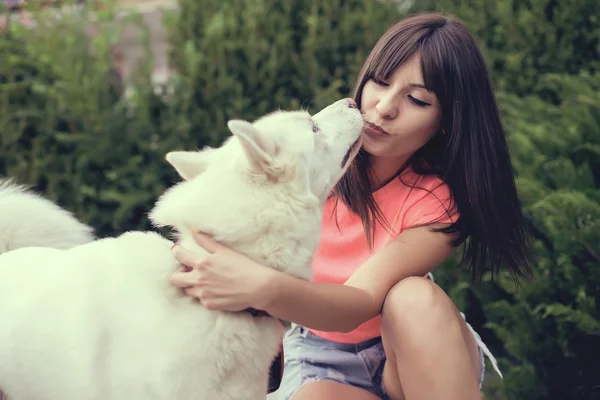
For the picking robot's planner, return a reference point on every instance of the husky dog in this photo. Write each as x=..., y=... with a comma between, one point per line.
x=100, y=321
x=27, y=219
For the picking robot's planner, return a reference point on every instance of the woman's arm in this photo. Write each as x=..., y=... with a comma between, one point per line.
x=331, y=307
x=321, y=306
x=228, y=280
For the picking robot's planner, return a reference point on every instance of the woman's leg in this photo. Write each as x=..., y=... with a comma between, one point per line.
x=329, y=390
x=431, y=353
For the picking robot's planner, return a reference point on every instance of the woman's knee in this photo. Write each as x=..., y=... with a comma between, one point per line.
x=415, y=303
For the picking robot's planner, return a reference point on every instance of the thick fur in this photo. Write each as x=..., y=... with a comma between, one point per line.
x=101, y=322
x=28, y=219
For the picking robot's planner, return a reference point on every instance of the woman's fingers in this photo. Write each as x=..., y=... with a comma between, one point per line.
x=194, y=291
x=183, y=278
x=189, y=258
x=212, y=302
x=206, y=241
x=209, y=302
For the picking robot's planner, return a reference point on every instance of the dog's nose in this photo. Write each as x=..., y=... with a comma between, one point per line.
x=351, y=103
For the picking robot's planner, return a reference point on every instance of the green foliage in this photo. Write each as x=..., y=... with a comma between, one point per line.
x=558, y=329
x=525, y=39
x=303, y=54
x=547, y=331
x=67, y=128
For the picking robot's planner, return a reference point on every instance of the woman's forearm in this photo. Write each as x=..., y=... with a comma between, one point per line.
x=320, y=306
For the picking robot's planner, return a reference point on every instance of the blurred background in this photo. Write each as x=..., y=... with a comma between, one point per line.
x=94, y=93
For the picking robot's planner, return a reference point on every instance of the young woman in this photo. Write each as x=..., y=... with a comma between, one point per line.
x=434, y=173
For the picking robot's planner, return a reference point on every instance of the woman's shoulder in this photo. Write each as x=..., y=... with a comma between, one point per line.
x=426, y=199
x=407, y=200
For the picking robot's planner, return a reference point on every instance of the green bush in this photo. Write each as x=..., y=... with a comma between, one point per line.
x=550, y=328
x=526, y=39
x=245, y=59
x=547, y=332
x=67, y=129
x=543, y=57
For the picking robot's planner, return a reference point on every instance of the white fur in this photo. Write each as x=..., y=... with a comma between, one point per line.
x=27, y=219
x=101, y=322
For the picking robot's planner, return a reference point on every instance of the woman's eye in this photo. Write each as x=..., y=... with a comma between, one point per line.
x=379, y=82
x=417, y=101
x=315, y=128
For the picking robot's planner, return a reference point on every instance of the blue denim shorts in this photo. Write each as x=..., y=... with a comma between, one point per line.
x=311, y=358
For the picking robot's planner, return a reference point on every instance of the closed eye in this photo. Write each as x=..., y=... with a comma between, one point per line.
x=417, y=101
x=379, y=82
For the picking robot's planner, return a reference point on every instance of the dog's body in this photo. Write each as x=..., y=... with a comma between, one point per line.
x=100, y=320
x=101, y=330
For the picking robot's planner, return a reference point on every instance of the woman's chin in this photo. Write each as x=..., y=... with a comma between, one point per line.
x=372, y=148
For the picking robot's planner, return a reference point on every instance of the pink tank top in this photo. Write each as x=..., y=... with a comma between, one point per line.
x=343, y=247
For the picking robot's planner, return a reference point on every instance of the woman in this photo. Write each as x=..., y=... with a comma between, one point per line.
x=434, y=172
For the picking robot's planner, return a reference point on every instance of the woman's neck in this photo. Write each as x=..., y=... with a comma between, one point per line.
x=384, y=169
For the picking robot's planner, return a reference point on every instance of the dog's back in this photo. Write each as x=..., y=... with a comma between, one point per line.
x=27, y=219
x=108, y=326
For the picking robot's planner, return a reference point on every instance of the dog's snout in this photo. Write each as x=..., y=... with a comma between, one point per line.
x=351, y=103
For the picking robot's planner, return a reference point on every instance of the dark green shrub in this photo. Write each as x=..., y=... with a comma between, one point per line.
x=67, y=129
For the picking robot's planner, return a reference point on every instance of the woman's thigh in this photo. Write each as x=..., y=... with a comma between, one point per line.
x=328, y=390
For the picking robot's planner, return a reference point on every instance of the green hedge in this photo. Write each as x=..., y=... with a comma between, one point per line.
x=548, y=330
x=67, y=129
x=545, y=59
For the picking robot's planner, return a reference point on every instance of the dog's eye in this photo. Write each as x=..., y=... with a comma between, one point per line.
x=315, y=128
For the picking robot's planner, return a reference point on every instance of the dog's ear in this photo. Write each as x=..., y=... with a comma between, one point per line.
x=189, y=164
x=256, y=148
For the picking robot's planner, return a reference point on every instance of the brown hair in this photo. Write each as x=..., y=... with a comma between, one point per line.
x=472, y=157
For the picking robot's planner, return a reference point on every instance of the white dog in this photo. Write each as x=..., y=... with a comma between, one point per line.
x=27, y=219
x=101, y=322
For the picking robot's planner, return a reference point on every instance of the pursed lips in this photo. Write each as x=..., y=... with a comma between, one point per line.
x=375, y=128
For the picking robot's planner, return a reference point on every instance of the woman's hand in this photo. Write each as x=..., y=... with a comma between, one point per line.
x=222, y=280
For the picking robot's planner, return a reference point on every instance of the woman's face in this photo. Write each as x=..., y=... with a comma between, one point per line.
x=400, y=114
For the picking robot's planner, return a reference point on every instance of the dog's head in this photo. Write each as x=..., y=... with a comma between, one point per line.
x=307, y=155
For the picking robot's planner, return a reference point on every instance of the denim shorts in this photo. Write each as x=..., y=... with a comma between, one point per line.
x=311, y=358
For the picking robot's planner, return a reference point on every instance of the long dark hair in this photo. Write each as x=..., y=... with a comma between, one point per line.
x=471, y=157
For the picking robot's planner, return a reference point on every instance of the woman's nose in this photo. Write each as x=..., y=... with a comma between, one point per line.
x=387, y=107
